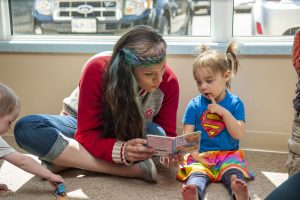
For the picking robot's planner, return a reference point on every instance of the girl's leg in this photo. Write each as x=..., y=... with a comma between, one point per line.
x=226, y=178
x=189, y=192
x=239, y=188
x=201, y=181
x=75, y=155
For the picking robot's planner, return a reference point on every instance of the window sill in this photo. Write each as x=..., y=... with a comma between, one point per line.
x=174, y=47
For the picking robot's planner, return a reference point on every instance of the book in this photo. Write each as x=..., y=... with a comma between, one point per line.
x=164, y=145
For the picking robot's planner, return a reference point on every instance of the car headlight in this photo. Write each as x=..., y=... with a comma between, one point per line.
x=44, y=7
x=137, y=7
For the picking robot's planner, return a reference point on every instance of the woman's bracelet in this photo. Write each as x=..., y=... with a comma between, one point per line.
x=123, y=158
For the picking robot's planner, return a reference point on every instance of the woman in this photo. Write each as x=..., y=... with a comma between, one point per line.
x=120, y=98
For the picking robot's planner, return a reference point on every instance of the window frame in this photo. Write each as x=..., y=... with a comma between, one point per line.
x=221, y=34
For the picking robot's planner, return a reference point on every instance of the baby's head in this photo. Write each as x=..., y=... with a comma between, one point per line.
x=217, y=62
x=9, y=107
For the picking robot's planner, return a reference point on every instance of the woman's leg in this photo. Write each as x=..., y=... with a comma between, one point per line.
x=45, y=136
x=154, y=129
x=75, y=155
x=293, y=162
x=287, y=190
x=50, y=138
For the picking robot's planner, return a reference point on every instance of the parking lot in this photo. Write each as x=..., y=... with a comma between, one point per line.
x=23, y=21
x=201, y=24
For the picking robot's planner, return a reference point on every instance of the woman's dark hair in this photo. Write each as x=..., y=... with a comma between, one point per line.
x=123, y=118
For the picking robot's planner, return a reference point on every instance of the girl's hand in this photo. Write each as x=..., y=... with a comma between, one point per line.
x=54, y=179
x=3, y=187
x=207, y=164
x=216, y=108
x=200, y=159
x=135, y=150
x=172, y=160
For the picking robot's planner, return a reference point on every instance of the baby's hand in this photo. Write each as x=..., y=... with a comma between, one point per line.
x=54, y=179
x=3, y=187
x=60, y=190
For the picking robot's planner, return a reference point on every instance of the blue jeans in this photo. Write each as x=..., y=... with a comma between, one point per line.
x=46, y=136
x=287, y=190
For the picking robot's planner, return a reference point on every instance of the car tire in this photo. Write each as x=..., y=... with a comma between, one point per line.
x=37, y=29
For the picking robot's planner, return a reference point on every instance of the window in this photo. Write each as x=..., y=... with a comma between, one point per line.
x=266, y=17
x=94, y=25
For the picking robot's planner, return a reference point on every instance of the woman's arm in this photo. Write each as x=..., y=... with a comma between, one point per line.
x=89, y=120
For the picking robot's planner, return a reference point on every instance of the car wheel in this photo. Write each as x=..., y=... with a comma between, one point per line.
x=37, y=29
x=164, y=27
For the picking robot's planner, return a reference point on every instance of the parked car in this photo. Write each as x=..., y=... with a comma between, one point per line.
x=200, y=6
x=112, y=16
x=275, y=17
x=243, y=6
x=204, y=6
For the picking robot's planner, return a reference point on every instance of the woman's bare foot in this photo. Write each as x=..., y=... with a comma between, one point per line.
x=239, y=188
x=189, y=192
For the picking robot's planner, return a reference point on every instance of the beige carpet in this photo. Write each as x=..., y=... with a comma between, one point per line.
x=268, y=168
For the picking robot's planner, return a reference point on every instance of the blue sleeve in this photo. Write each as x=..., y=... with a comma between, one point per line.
x=239, y=110
x=189, y=116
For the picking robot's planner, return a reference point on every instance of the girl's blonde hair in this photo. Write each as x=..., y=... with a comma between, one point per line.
x=8, y=100
x=217, y=61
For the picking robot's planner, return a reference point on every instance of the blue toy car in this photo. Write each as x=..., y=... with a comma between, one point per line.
x=60, y=189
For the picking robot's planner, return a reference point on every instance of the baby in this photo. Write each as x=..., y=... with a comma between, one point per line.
x=9, y=111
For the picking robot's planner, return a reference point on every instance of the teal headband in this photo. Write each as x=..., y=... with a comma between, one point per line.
x=133, y=60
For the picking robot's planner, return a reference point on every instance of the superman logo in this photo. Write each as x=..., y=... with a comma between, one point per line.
x=212, y=123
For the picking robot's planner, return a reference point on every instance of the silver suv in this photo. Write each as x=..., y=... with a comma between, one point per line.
x=275, y=17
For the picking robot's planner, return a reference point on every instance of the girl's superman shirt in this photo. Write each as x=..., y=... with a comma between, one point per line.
x=214, y=135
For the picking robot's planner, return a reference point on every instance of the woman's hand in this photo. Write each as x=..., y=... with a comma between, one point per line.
x=172, y=160
x=135, y=150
